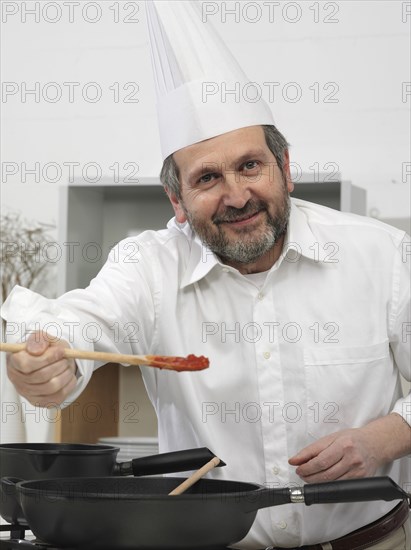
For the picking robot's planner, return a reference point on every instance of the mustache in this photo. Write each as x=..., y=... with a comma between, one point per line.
x=231, y=213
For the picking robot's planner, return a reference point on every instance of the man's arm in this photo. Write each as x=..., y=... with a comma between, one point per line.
x=354, y=453
x=118, y=299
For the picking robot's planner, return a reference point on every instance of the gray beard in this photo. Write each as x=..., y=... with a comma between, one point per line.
x=244, y=250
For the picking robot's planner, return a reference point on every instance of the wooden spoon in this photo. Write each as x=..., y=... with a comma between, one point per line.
x=189, y=363
x=180, y=489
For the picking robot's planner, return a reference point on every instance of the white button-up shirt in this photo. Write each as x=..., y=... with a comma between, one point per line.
x=315, y=348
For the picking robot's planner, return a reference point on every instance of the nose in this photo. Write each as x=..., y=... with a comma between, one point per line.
x=236, y=190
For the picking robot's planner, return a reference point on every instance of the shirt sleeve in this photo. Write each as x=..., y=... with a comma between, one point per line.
x=115, y=313
x=400, y=322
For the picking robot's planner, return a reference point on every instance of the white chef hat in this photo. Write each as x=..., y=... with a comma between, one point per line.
x=199, y=84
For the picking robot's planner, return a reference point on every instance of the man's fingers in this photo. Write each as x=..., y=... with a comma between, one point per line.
x=338, y=471
x=52, y=386
x=44, y=375
x=37, y=343
x=311, y=451
x=56, y=398
x=41, y=373
x=302, y=457
x=26, y=363
x=48, y=389
x=347, y=454
x=325, y=461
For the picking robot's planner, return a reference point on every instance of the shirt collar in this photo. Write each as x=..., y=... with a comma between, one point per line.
x=201, y=260
x=299, y=241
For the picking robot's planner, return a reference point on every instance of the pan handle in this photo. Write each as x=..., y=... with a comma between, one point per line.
x=346, y=490
x=166, y=463
x=352, y=490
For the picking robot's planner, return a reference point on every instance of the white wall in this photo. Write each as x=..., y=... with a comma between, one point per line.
x=358, y=50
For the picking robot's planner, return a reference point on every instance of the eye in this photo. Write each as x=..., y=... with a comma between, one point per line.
x=207, y=178
x=250, y=165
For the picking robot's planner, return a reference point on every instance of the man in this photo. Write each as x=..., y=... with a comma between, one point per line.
x=235, y=196
x=301, y=311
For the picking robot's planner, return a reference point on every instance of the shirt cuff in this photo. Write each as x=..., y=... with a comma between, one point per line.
x=403, y=408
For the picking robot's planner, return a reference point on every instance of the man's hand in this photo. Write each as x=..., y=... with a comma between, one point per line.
x=41, y=373
x=342, y=455
x=354, y=453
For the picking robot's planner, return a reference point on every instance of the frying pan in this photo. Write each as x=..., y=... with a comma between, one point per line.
x=138, y=513
x=28, y=461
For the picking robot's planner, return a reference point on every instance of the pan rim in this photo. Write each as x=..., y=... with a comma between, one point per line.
x=57, y=448
x=24, y=488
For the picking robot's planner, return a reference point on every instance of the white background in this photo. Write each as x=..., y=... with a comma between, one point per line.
x=360, y=48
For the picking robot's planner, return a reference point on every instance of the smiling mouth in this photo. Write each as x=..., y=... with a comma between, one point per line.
x=243, y=220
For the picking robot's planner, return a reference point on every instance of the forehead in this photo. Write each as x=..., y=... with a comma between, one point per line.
x=225, y=148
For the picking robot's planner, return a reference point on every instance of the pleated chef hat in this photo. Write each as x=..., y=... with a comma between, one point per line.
x=192, y=66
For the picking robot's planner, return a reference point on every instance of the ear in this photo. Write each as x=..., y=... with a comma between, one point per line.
x=178, y=210
x=287, y=173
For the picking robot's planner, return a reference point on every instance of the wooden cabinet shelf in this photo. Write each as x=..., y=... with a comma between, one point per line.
x=95, y=412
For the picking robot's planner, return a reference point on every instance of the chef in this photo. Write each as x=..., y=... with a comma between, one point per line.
x=302, y=310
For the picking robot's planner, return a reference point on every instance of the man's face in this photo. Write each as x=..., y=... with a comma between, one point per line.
x=233, y=195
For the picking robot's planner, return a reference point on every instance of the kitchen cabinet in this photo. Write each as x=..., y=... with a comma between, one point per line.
x=95, y=413
x=93, y=218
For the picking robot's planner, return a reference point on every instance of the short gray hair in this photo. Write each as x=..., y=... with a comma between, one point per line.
x=275, y=140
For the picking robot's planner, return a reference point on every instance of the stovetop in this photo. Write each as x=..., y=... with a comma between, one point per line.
x=15, y=537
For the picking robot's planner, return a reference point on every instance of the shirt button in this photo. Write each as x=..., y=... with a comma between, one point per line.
x=282, y=525
x=225, y=270
x=266, y=355
x=260, y=295
x=275, y=470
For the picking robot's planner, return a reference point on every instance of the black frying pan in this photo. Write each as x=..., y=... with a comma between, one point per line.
x=135, y=513
x=28, y=461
